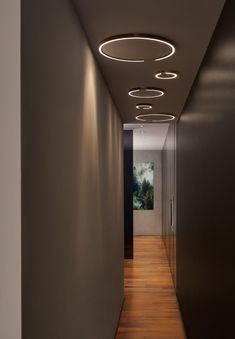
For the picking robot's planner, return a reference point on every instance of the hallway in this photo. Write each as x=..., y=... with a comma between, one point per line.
x=117, y=128
x=150, y=308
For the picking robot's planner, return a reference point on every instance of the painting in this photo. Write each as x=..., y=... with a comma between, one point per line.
x=143, y=196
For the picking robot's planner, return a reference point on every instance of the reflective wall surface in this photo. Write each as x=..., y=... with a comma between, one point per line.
x=169, y=199
x=205, y=192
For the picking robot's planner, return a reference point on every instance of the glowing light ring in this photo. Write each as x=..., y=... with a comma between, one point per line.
x=170, y=75
x=135, y=38
x=168, y=117
x=158, y=92
x=144, y=106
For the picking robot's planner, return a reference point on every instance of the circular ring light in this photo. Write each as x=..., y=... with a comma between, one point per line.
x=166, y=75
x=115, y=48
x=144, y=106
x=155, y=117
x=147, y=93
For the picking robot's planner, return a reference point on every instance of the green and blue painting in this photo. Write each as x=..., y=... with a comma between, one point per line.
x=143, y=196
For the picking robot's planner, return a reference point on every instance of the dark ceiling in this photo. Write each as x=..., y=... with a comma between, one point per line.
x=188, y=24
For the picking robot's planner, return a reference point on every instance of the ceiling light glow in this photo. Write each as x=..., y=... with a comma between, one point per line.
x=147, y=93
x=155, y=117
x=116, y=39
x=166, y=75
x=144, y=106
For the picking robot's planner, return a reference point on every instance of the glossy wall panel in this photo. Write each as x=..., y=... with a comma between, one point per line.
x=169, y=199
x=206, y=192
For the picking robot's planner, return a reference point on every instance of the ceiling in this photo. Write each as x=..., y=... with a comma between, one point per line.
x=148, y=136
x=188, y=24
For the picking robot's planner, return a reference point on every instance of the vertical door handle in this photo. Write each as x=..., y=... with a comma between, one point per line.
x=172, y=214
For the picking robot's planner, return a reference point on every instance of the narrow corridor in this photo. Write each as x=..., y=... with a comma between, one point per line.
x=150, y=309
x=117, y=122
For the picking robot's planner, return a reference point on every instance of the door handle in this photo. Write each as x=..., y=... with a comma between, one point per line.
x=172, y=214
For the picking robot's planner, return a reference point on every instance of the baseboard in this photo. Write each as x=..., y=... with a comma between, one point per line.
x=120, y=313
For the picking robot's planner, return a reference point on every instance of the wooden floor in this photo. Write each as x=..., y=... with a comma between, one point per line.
x=150, y=309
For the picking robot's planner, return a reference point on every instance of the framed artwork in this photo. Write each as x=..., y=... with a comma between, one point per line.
x=143, y=190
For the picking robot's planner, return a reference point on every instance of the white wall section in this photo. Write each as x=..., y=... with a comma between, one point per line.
x=10, y=214
x=148, y=137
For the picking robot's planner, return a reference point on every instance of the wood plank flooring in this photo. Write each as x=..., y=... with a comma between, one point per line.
x=150, y=309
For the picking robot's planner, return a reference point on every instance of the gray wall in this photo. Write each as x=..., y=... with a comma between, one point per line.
x=72, y=167
x=205, y=192
x=10, y=214
x=169, y=198
x=149, y=222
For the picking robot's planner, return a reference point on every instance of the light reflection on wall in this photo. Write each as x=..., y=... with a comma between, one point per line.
x=213, y=76
x=201, y=117
x=100, y=159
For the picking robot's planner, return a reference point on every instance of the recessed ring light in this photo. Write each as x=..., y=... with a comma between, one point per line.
x=144, y=106
x=132, y=48
x=147, y=93
x=155, y=117
x=166, y=75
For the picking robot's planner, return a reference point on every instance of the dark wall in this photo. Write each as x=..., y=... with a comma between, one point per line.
x=169, y=199
x=72, y=182
x=128, y=194
x=205, y=192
